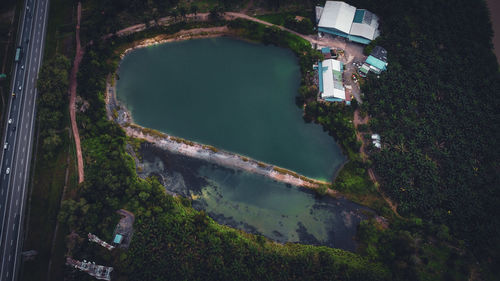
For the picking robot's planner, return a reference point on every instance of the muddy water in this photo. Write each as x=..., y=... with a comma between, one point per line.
x=255, y=204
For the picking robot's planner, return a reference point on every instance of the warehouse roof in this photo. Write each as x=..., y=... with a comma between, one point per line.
x=332, y=79
x=338, y=15
x=376, y=62
x=347, y=19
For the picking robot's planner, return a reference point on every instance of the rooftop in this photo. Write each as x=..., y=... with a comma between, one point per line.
x=347, y=19
x=338, y=15
x=331, y=73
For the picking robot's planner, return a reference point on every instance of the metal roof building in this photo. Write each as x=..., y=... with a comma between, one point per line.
x=376, y=61
x=330, y=80
x=342, y=19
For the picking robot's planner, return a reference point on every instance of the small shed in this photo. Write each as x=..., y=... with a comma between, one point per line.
x=118, y=239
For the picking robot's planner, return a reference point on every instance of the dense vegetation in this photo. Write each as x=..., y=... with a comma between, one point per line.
x=52, y=103
x=437, y=111
x=172, y=240
x=434, y=108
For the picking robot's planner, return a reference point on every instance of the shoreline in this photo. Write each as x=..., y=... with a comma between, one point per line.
x=119, y=114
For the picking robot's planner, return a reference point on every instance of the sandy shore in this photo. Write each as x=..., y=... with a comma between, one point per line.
x=220, y=157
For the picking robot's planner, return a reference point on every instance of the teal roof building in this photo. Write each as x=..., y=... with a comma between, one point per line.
x=376, y=62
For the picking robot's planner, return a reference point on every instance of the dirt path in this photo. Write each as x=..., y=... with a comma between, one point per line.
x=358, y=120
x=72, y=91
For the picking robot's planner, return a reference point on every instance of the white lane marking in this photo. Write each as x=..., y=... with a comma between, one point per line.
x=24, y=149
x=22, y=162
x=36, y=49
x=15, y=107
x=24, y=137
x=11, y=241
x=32, y=79
x=26, y=126
x=17, y=202
x=29, y=144
x=28, y=115
x=29, y=102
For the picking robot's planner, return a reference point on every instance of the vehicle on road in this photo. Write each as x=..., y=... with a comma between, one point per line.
x=5, y=145
x=7, y=171
x=22, y=66
x=13, y=94
x=10, y=121
x=18, y=54
x=14, y=128
x=20, y=87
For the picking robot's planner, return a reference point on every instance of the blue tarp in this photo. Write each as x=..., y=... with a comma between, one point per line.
x=325, y=50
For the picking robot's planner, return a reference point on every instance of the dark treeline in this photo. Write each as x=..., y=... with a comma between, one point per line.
x=437, y=111
x=52, y=88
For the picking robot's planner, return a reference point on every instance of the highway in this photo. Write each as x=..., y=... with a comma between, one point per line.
x=19, y=136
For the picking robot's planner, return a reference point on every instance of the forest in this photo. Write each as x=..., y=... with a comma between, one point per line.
x=435, y=109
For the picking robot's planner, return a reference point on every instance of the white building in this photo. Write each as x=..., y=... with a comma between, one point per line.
x=342, y=19
x=330, y=81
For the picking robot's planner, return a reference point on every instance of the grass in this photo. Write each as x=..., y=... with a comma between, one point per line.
x=46, y=194
x=60, y=28
x=355, y=184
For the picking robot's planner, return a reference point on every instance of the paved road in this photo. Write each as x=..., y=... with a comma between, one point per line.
x=19, y=137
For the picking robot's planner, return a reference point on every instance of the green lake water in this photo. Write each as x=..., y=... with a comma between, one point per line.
x=239, y=97
x=254, y=203
x=231, y=94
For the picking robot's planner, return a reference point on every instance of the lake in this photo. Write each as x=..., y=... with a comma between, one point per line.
x=239, y=97
x=254, y=203
x=231, y=94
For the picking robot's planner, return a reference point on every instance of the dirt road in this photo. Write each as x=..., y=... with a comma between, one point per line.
x=358, y=120
x=72, y=98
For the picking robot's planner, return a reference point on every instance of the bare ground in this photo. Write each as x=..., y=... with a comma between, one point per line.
x=72, y=91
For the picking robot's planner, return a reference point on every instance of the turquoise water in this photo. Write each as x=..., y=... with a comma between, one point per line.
x=254, y=203
x=231, y=94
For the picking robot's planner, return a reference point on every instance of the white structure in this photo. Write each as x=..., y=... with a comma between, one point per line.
x=376, y=140
x=342, y=19
x=330, y=81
